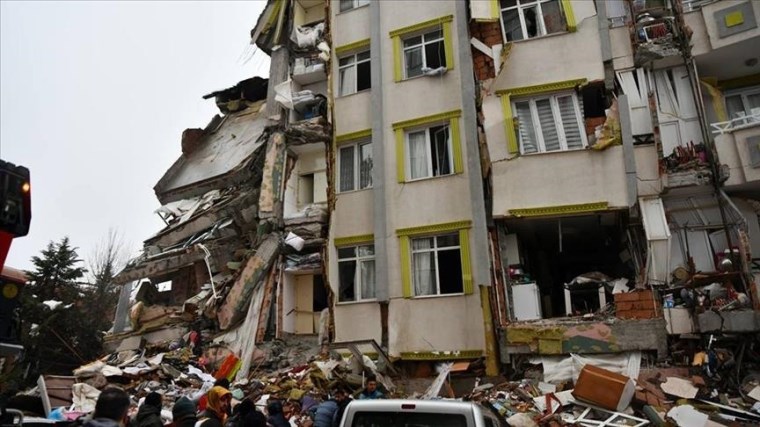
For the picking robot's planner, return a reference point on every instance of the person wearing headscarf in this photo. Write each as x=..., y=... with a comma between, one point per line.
x=218, y=407
x=183, y=413
x=149, y=414
x=222, y=382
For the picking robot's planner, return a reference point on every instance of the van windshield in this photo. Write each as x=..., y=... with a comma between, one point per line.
x=408, y=419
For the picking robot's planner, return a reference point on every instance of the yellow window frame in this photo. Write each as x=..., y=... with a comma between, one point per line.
x=506, y=95
x=400, y=129
x=398, y=35
x=572, y=25
x=406, y=234
x=353, y=240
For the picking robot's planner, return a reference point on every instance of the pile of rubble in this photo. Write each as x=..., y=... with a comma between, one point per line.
x=585, y=391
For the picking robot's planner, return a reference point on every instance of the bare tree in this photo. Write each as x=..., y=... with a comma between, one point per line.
x=105, y=262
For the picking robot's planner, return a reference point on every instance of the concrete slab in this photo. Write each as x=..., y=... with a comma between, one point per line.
x=729, y=321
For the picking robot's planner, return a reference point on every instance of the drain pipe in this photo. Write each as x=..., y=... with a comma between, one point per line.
x=208, y=267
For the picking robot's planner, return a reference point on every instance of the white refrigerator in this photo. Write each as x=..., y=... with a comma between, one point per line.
x=526, y=301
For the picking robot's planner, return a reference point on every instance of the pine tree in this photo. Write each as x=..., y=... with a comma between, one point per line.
x=60, y=339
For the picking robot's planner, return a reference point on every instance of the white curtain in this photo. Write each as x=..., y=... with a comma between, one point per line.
x=424, y=267
x=413, y=58
x=368, y=279
x=347, y=168
x=417, y=155
x=365, y=166
x=348, y=79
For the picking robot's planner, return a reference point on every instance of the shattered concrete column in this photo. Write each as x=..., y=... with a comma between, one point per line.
x=256, y=269
x=273, y=179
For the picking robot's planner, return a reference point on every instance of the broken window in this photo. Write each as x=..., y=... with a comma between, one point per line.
x=524, y=19
x=424, y=51
x=352, y=4
x=355, y=74
x=437, y=265
x=429, y=152
x=355, y=166
x=743, y=103
x=356, y=271
x=550, y=123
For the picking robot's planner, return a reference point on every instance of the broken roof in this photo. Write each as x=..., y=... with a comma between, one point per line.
x=225, y=147
x=262, y=34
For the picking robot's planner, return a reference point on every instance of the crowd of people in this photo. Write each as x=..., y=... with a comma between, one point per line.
x=216, y=409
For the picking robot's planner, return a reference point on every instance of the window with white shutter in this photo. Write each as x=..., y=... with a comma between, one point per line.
x=549, y=123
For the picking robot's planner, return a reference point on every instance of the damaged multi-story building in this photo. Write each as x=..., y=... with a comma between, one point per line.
x=623, y=146
x=464, y=179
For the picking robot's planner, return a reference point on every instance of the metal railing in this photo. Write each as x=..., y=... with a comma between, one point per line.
x=691, y=5
x=735, y=124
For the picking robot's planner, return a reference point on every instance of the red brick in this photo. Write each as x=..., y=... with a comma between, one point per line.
x=644, y=295
x=626, y=297
x=635, y=305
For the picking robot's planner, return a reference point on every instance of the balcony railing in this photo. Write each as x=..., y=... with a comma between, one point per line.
x=691, y=5
x=735, y=124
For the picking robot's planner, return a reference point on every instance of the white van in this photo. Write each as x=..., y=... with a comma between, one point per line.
x=418, y=413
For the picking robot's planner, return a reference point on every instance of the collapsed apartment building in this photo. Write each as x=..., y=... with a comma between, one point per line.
x=608, y=170
x=456, y=180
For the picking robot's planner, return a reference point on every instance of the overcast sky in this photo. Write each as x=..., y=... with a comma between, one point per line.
x=94, y=97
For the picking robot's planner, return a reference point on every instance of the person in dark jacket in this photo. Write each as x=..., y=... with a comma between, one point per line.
x=149, y=414
x=330, y=412
x=110, y=409
x=276, y=415
x=183, y=413
x=247, y=415
x=215, y=415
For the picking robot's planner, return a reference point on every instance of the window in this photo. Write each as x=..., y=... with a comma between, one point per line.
x=524, y=19
x=356, y=273
x=352, y=4
x=549, y=123
x=428, y=146
x=435, y=259
x=437, y=265
x=429, y=152
x=744, y=103
x=423, y=47
x=355, y=166
x=423, y=52
x=363, y=418
x=355, y=74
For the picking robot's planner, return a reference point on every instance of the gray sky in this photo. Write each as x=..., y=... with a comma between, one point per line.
x=94, y=97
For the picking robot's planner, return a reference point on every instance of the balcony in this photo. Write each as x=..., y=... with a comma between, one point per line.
x=309, y=69
x=738, y=145
x=655, y=38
